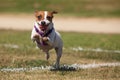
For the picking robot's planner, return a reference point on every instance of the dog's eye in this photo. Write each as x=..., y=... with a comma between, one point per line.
x=39, y=17
x=49, y=17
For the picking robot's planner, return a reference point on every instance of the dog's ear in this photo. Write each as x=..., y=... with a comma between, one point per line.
x=54, y=12
x=36, y=11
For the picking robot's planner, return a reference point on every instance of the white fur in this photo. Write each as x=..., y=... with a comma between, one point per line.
x=45, y=18
x=54, y=41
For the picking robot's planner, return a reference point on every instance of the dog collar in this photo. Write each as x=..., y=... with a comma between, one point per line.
x=46, y=34
x=42, y=34
x=38, y=31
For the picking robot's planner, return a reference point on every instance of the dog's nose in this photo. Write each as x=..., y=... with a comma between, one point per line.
x=43, y=23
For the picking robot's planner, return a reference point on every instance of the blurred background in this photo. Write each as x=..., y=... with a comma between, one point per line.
x=99, y=16
x=74, y=7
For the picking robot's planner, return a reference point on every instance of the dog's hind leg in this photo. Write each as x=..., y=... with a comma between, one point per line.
x=47, y=55
x=59, y=54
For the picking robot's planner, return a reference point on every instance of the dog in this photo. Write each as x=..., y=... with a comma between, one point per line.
x=45, y=36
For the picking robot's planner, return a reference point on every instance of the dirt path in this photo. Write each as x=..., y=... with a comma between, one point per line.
x=94, y=25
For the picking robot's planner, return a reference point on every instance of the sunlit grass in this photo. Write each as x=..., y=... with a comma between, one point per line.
x=26, y=55
x=104, y=73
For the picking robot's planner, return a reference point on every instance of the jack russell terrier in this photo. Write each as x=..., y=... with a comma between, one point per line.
x=45, y=36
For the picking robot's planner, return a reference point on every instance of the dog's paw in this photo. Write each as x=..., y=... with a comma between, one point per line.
x=56, y=66
x=45, y=39
x=36, y=37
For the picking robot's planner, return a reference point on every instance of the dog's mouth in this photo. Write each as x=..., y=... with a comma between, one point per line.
x=43, y=27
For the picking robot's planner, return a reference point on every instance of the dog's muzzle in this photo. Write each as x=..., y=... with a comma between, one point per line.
x=43, y=25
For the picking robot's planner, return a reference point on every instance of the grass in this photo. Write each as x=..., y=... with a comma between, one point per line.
x=77, y=7
x=86, y=40
x=26, y=55
x=89, y=74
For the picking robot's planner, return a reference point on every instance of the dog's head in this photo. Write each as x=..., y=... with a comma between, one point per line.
x=44, y=18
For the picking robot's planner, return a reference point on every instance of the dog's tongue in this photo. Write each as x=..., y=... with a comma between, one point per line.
x=43, y=28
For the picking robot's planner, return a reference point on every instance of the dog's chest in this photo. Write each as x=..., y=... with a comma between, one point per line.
x=45, y=47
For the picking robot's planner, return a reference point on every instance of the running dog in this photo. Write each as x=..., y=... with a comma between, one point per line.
x=45, y=36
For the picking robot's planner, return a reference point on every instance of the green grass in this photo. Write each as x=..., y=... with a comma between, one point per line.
x=91, y=40
x=72, y=7
x=28, y=56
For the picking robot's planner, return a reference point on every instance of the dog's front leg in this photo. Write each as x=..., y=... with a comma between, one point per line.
x=47, y=40
x=59, y=54
x=37, y=38
x=50, y=39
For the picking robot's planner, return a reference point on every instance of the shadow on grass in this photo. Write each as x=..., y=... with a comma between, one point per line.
x=64, y=68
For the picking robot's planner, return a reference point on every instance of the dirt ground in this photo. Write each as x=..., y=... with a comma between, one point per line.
x=94, y=25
